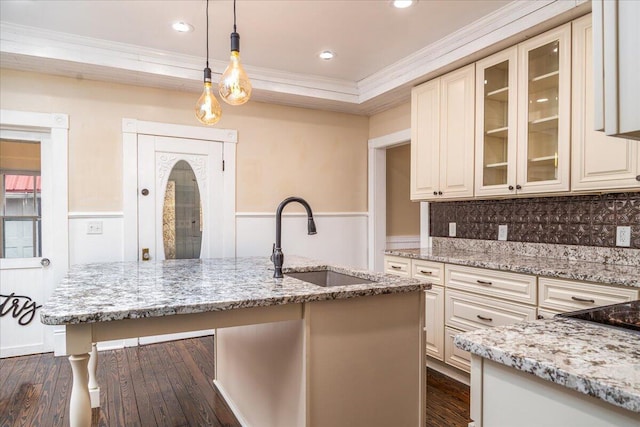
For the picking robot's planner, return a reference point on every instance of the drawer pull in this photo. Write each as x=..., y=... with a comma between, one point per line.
x=583, y=300
x=426, y=272
x=482, y=282
x=396, y=267
x=488, y=319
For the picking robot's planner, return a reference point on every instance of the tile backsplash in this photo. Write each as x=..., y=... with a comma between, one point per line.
x=589, y=220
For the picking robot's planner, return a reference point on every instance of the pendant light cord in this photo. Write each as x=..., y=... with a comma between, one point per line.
x=234, y=16
x=207, y=33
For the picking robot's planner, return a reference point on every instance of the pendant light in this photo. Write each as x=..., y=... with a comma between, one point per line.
x=234, y=86
x=208, y=109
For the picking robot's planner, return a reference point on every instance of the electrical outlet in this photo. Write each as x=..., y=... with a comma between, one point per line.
x=502, y=232
x=623, y=236
x=452, y=229
x=94, y=227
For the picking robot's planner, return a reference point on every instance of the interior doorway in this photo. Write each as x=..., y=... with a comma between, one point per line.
x=377, y=191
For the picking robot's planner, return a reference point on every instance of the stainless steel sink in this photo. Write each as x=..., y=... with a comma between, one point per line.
x=328, y=278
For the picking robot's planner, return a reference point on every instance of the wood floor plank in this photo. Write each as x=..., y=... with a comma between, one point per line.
x=139, y=386
x=167, y=384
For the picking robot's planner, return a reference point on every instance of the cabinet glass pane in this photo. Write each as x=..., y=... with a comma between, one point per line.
x=496, y=119
x=542, y=141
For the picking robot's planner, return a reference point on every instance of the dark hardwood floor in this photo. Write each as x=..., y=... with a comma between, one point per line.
x=167, y=384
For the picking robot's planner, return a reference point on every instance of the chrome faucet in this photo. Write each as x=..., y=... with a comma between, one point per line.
x=276, y=255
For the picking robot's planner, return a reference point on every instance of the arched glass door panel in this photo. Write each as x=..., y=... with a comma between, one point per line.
x=182, y=214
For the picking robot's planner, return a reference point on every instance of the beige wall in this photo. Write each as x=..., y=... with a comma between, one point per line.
x=393, y=120
x=403, y=216
x=282, y=151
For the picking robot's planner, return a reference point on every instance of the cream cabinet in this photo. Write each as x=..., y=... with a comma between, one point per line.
x=599, y=162
x=442, y=136
x=544, y=112
x=433, y=272
x=523, y=110
x=569, y=295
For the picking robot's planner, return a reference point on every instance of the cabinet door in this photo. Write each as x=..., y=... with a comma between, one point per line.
x=544, y=112
x=434, y=322
x=599, y=162
x=425, y=139
x=457, y=119
x=496, y=118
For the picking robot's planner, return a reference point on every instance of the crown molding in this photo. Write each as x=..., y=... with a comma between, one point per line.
x=33, y=49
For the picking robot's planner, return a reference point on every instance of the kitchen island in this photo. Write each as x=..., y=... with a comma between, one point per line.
x=288, y=353
x=556, y=372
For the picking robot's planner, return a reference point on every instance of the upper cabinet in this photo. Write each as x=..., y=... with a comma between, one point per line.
x=599, y=162
x=616, y=36
x=544, y=112
x=496, y=118
x=523, y=117
x=442, y=136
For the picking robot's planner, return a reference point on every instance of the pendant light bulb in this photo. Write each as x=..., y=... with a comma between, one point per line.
x=208, y=110
x=234, y=86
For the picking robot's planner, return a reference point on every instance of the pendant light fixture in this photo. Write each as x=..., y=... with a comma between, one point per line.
x=208, y=109
x=234, y=86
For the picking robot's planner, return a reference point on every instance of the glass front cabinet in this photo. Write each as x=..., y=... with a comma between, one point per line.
x=523, y=117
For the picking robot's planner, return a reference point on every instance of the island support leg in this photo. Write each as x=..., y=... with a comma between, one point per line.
x=94, y=388
x=80, y=403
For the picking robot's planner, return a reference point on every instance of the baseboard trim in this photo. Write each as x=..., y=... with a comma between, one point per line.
x=449, y=371
x=231, y=404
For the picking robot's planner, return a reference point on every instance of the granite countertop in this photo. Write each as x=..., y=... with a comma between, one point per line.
x=128, y=290
x=626, y=275
x=594, y=360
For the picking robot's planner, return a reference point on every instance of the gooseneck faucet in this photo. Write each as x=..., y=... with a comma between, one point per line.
x=277, y=256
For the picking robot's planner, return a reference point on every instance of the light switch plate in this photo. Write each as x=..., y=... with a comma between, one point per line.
x=452, y=229
x=502, y=232
x=623, y=236
x=94, y=227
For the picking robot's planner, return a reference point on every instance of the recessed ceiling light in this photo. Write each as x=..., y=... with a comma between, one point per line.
x=326, y=55
x=402, y=4
x=182, y=27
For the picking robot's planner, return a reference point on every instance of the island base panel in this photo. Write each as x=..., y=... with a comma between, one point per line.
x=352, y=362
x=511, y=397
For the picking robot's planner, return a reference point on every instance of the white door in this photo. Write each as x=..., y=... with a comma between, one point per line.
x=161, y=163
x=33, y=226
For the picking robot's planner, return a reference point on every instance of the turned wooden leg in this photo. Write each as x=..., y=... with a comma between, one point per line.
x=80, y=403
x=94, y=388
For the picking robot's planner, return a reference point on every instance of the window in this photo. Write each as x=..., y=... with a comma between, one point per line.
x=20, y=200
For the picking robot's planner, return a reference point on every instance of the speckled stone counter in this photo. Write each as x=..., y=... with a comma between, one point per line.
x=114, y=291
x=594, y=360
x=626, y=275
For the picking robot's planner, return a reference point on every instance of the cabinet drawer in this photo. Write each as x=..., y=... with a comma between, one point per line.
x=453, y=355
x=397, y=265
x=429, y=270
x=499, y=284
x=566, y=295
x=468, y=312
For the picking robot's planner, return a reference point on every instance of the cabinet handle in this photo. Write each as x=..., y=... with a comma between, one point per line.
x=482, y=282
x=511, y=188
x=518, y=187
x=435, y=193
x=637, y=177
x=396, y=267
x=488, y=319
x=426, y=272
x=439, y=193
x=583, y=300
x=540, y=316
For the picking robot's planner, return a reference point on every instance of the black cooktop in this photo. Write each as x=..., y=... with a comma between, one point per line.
x=625, y=315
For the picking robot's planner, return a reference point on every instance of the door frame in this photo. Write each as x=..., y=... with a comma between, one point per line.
x=131, y=128
x=55, y=165
x=377, y=190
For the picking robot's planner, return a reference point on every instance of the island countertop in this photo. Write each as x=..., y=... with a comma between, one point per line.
x=614, y=274
x=594, y=360
x=128, y=290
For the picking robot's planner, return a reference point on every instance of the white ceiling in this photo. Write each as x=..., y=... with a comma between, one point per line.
x=381, y=51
